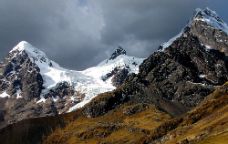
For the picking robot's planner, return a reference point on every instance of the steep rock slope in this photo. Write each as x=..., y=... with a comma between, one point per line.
x=210, y=29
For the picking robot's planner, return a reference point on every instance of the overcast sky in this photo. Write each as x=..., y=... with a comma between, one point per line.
x=80, y=33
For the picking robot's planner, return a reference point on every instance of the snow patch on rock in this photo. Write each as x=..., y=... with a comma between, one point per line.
x=4, y=95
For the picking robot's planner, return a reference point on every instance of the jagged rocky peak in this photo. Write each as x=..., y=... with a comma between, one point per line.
x=211, y=18
x=210, y=29
x=119, y=51
x=207, y=13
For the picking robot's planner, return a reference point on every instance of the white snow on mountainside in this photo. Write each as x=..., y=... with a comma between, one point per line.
x=88, y=82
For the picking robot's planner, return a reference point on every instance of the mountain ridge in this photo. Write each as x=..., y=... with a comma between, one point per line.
x=177, y=88
x=179, y=77
x=36, y=80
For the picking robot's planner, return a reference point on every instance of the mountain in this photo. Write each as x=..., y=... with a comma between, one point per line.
x=31, y=85
x=178, y=95
x=170, y=100
x=178, y=76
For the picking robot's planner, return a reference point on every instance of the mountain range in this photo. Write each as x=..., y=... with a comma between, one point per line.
x=176, y=95
x=32, y=85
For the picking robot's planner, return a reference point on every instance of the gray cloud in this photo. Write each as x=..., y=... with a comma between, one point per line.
x=81, y=33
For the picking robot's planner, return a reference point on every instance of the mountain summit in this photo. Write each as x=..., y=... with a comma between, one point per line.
x=35, y=55
x=119, y=51
x=210, y=17
x=208, y=27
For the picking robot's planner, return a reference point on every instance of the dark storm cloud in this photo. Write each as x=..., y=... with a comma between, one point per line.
x=80, y=33
x=63, y=29
x=143, y=25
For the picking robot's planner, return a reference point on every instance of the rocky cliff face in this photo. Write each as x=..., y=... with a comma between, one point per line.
x=210, y=29
x=191, y=65
x=185, y=72
x=20, y=76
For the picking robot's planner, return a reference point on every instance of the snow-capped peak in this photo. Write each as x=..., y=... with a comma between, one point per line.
x=119, y=51
x=122, y=61
x=28, y=48
x=34, y=54
x=211, y=18
x=205, y=13
x=21, y=46
x=207, y=16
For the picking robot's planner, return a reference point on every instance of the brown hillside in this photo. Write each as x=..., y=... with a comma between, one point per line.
x=126, y=124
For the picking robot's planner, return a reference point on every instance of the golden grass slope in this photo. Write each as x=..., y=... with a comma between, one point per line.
x=117, y=126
